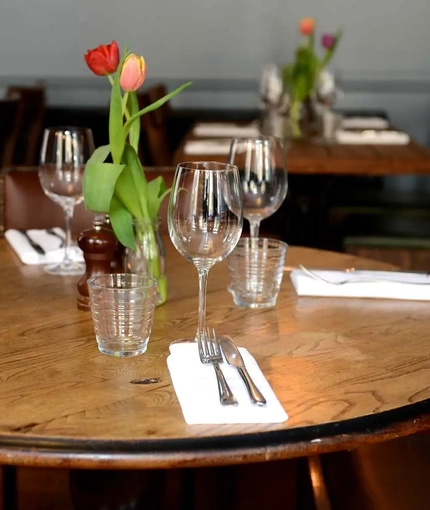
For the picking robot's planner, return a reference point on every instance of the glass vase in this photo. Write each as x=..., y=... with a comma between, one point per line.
x=149, y=257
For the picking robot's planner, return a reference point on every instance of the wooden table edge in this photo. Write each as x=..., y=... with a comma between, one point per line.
x=216, y=451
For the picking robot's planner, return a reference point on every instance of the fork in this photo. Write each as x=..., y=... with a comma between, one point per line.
x=359, y=279
x=210, y=352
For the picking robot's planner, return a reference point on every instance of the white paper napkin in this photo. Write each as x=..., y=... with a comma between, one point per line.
x=216, y=147
x=197, y=390
x=372, y=137
x=388, y=284
x=50, y=243
x=226, y=129
x=364, y=123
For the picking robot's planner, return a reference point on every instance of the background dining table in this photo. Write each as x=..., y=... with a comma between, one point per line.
x=307, y=157
x=347, y=371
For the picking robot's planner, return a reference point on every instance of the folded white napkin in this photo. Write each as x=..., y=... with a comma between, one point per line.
x=376, y=284
x=364, y=123
x=373, y=137
x=226, y=129
x=197, y=390
x=49, y=242
x=216, y=147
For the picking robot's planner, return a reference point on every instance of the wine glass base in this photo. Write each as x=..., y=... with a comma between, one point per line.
x=66, y=269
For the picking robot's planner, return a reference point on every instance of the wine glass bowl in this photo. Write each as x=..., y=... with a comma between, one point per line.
x=64, y=152
x=262, y=167
x=205, y=217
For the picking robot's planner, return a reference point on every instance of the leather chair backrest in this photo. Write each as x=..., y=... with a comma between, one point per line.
x=24, y=205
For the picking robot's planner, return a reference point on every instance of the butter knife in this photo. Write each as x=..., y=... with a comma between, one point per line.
x=32, y=243
x=234, y=358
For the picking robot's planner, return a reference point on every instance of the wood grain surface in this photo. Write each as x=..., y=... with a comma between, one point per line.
x=305, y=157
x=346, y=370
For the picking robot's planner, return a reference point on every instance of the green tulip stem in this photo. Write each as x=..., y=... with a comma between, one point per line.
x=295, y=120
x=143, y=231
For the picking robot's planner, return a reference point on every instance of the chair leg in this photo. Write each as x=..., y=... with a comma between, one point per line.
x=9, y=485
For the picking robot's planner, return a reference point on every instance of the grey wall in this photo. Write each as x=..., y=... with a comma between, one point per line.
x=384, y=56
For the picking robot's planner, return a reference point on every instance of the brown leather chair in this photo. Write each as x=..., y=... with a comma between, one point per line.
x=10, y=125
x=154, y=131
x=24, y=205
x=33, y=113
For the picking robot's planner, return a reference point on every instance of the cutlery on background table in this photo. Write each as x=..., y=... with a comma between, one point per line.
x=210, y=352
x=32, y=243
x=360, y=278
x=234, y=358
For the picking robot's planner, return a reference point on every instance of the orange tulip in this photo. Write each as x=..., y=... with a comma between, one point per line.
x=307, y=26
x=133, y=73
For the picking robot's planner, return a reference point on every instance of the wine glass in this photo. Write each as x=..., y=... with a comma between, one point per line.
x=262, y=167
x=205, y=218
x=65, y=150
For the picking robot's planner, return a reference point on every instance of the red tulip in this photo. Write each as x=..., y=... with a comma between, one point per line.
x=133, y=73
x=104, y=59
x=307, y=26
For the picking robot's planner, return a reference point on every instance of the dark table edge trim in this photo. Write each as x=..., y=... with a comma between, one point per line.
x=229, y=449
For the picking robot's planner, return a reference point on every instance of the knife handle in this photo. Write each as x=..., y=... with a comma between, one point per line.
x=254, y=393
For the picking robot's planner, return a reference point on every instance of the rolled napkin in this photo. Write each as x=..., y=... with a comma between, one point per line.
x=372, y=137
x=48, y=242
x=215, y=147
x=364, y=123
x=374, y=284
x=197, y=390
x=226, y=129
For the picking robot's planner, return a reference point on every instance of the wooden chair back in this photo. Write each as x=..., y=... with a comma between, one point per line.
x=10, y=125
x=155, y=135
x=33, y=113
x=24, y=205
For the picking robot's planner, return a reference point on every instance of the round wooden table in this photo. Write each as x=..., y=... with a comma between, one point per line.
x=347, y=371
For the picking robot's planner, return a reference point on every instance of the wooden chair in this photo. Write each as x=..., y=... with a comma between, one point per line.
x=154, y=129
x=10, y=125
x=24, y=205
x=33, y=112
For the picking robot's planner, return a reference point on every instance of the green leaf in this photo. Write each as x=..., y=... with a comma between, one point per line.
x=99, y=185
x=141, y=184
x=134, y=134
x=127, y=192
x=156, y=192
x=116, y=127
x=122, y=223
x=154, y=106
x=100, y=154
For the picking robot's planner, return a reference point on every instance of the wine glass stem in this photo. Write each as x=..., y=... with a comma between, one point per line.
x=254, y=228
x=203, y=281
x=68, y=214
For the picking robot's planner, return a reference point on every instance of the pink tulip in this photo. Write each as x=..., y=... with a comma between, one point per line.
x=327, y=41
x=307, y=26
x=133, y=73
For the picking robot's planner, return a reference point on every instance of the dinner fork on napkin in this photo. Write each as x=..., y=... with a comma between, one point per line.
x=197, y=390
x=47, y=242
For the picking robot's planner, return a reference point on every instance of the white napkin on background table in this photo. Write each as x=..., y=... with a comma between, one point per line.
x=372, y=137
x=412, y=287
x=226, y=129
x=364, y=123
x=197, y=390
x=219, y=147
x=50, y=243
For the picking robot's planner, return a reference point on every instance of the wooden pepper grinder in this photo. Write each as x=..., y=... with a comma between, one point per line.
x=100, y=246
